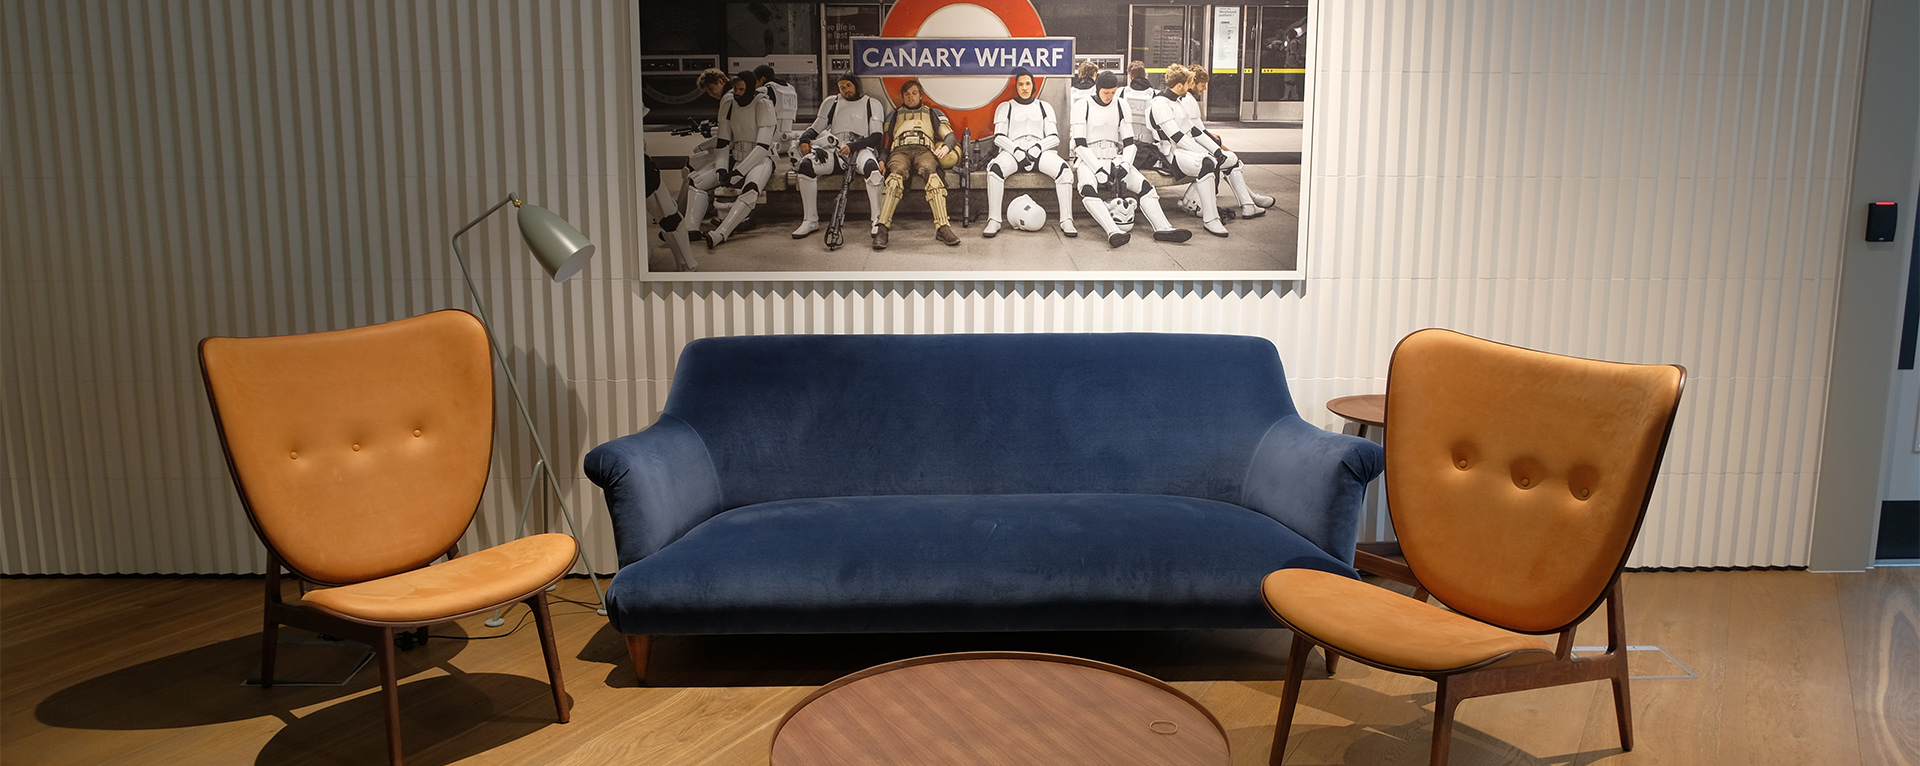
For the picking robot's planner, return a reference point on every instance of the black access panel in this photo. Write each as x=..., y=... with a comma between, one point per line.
x=1882, y=221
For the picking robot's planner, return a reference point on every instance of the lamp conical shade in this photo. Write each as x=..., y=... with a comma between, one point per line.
x=561, y=249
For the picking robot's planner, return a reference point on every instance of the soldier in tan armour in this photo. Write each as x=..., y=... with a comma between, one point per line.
x=921, y=143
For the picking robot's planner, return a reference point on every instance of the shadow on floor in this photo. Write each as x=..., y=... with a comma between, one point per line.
x=205, y=686
x=813, y=660
x=443, y=719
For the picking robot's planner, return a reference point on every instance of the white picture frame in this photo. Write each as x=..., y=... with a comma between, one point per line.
x=772, y=234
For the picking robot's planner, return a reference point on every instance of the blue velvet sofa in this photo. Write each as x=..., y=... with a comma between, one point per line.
x=908, y=483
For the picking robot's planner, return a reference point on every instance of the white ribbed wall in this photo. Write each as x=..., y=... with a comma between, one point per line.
x=1635, y=181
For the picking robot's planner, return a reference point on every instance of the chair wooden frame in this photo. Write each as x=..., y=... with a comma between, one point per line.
x=1485, y=679
x=380, y=635
x=1509, y=671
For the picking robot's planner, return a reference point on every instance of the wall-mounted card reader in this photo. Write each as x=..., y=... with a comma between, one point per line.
x=1881, y=221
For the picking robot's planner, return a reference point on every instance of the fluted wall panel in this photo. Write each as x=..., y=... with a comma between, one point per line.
x=1640, y=181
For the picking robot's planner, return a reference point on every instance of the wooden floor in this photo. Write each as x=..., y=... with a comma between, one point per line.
x=1794, y=668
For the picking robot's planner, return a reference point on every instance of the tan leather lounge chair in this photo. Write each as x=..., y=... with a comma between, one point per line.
x=1518, y=480
x=360, y=456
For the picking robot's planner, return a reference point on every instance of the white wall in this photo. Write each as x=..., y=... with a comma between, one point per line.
x=1659, y=182
x=1858, y=461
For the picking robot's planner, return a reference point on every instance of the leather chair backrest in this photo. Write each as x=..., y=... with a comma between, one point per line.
x=358, y=453
x=1517, y=479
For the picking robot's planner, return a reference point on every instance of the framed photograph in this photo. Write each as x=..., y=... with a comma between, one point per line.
x=990, y=139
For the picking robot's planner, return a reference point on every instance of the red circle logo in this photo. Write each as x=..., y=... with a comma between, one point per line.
x=962, y=104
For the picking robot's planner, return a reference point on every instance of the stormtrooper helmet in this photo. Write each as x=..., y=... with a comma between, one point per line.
x=1123, y=210
x=1190, y=201
x=1025, y=214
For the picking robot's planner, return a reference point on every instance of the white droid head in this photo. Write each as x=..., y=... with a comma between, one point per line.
x=1123, y=210
x=1025, y=214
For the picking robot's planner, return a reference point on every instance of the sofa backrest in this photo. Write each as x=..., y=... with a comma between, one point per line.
x=837, y=415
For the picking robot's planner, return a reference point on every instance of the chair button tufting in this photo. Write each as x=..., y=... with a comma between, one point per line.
x=1585, y=493
x=416, y=433
x=293, y=456
x=1462, y=464
x=356, y=448
x=1524, y=483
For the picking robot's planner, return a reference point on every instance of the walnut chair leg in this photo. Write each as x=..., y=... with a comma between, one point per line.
x=543, y=621
x=1290, y=697
x=270, y=630
x=1617, y=644
x=1333, y=660
x=1443, y=706
x=638, y=648
x=269, y=648
x=390, y=683
x=1623, y=710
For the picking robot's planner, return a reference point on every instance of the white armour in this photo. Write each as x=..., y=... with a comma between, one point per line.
x=851, y=120
x=1139, y=100
x=785, y=101
x=745, y=126
x=1026, y=123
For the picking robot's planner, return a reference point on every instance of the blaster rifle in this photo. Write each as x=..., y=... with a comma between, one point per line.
x=833, y=237
x=704, y=127
x=966, y=177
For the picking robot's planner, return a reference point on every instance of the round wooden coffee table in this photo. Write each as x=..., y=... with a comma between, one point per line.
x=995, y=708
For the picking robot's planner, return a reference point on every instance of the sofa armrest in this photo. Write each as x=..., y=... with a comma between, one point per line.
x=1314, y=481
x=659, y=483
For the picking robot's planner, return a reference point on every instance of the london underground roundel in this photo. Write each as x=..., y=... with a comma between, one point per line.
x=968, y=101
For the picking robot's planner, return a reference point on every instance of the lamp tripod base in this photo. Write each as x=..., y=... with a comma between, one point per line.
x=543, y=473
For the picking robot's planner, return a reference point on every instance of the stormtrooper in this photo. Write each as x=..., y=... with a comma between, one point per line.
x=661, y=207
x=786, y=106
x=1103, y=155
x=745, y=136
x=1139, y=97
x=1190, y=149
x=846, y=130
x=715, y=84
x=1252, y=205
x=1084, y=75
x=1026, y=133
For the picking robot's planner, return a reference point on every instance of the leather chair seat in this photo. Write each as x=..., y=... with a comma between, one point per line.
x=469, y=584
x=1382, y=626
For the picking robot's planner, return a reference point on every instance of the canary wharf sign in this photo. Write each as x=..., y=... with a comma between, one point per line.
x=983, y=39
x=921, y=56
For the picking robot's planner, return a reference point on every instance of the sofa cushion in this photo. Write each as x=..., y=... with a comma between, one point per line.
x=840, y=415
x=908, y=563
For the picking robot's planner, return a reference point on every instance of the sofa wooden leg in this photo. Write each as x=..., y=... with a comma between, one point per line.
x=638, y=647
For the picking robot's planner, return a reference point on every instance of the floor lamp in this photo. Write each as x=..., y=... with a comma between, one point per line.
x=562, y=250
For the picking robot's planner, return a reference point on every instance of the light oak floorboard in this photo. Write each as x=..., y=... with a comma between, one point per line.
x=1880, y=615
x=1795, y=668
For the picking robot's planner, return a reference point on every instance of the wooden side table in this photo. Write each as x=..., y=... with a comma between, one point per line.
x=1382, y=558
x=998, y=708
x=1367, y=410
